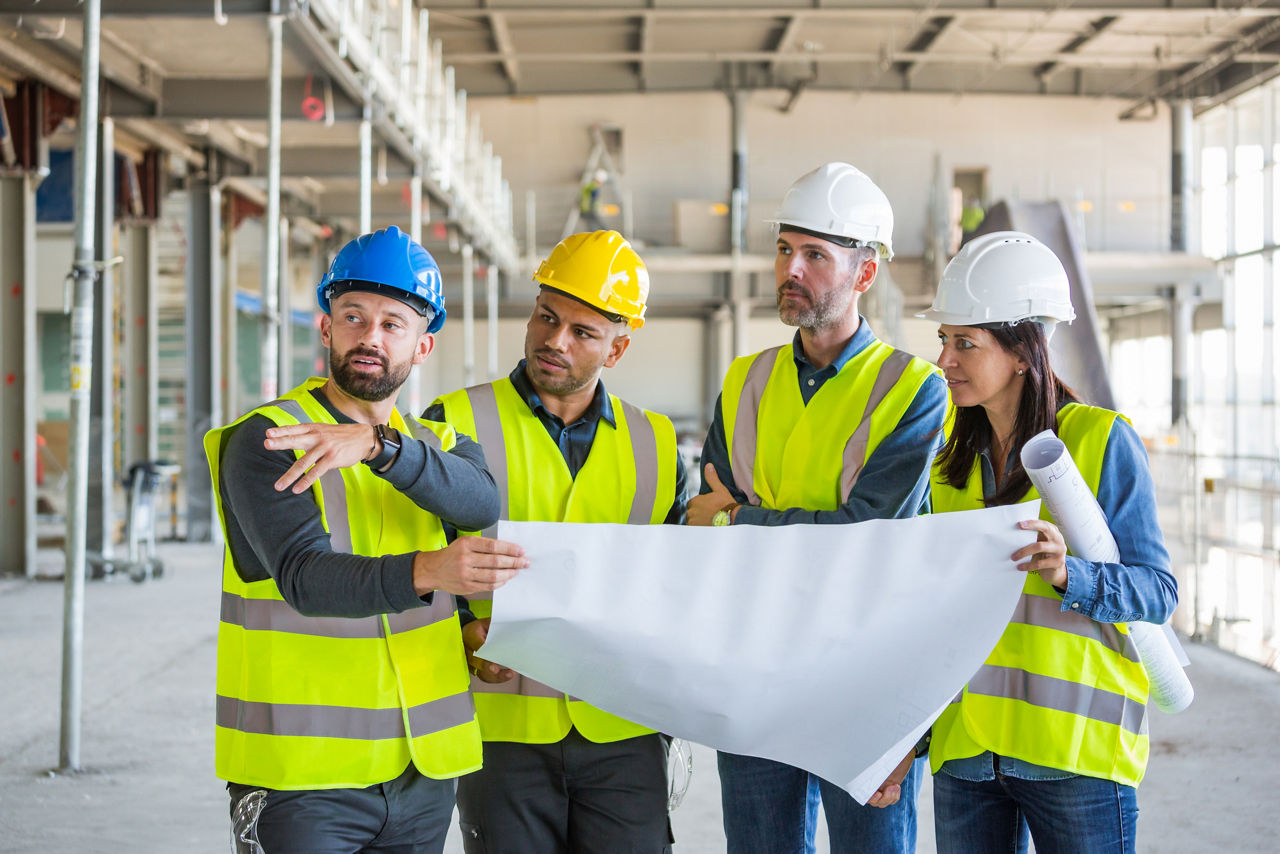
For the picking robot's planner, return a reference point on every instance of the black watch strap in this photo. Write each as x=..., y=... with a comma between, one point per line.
x=390, y=439
x=922, y=746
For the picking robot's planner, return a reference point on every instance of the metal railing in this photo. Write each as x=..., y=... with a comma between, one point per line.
x=382, y=50
x=1219, y=516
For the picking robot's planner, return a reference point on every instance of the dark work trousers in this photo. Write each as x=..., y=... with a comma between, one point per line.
x=570, y=797
x=407, y=815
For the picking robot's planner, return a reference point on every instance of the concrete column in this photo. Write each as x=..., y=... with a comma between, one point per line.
x=103, y=469
x=17, y=375
x=204, y=356
x=140, y=348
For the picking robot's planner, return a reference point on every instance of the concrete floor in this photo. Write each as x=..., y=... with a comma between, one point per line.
x=148, y=786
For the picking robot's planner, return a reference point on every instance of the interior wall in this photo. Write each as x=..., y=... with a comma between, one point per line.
x=677, y=147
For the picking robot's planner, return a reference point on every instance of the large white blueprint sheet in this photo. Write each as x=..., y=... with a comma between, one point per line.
x=827, y=647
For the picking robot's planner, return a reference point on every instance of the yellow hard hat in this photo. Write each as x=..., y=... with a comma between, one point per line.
x=602, y=270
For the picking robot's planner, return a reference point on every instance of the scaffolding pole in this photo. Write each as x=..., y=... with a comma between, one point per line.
x=82, y=273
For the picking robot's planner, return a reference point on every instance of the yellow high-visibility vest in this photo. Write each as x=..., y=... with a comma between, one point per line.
x=629, y=476
x=1059, y=689
x=784, y=452
x=330, y=702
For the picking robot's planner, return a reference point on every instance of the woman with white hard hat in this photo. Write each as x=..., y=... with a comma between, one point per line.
x=1049, y=738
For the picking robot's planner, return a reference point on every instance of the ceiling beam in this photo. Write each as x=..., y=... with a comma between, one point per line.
x=1095, y=28
x=1216, y=62
x=644, y=30
x=927, y=35
x=506, y=48
x=785, y=44
x=519, y=9
x=1126, y=60
x=247, y=99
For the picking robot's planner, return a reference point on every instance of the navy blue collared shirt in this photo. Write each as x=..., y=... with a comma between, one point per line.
x=894, y=482
x=575, y=440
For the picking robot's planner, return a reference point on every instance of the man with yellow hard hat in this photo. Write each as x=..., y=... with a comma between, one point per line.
x=560, y=775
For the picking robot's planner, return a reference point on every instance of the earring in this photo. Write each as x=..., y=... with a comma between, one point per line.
x=1021, y=372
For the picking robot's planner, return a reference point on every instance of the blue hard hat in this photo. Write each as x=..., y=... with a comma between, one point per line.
x=391, y=263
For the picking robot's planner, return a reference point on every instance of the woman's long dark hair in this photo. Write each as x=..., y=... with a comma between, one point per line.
x=1042, y=394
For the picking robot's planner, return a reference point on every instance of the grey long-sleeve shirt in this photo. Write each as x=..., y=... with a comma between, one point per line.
x=280, y=535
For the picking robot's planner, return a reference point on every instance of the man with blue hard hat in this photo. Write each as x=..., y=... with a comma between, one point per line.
x=343, y=710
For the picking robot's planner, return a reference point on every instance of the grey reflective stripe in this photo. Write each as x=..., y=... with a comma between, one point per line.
x=1044, y=611
x=294, y=719
x=522, y=685
x=332, y=487
x=441, y=608
x=441, y=714
x=855, y=450
x=644, y=447
x=423, y=433
x=1049, y=692
x=292, y=407
x=742, y=456
x=273, y=615
x=335, y=510
x=484, y=411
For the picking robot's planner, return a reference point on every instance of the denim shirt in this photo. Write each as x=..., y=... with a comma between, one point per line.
x=575, y=440
x=1140, y=587
x=895, y=481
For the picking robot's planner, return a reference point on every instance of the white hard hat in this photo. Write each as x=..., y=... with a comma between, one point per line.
x=1003, y=277
x=839, y=203
x=601, y=176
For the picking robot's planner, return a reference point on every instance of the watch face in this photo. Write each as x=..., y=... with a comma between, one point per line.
x=721, y=519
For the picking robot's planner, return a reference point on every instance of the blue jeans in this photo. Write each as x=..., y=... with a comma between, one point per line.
x=771, y=808
x=1075, y=815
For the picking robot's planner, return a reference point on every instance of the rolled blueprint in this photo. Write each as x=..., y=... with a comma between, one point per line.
x=1076, y=512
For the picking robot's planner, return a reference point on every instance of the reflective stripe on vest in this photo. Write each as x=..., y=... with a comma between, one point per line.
x=1059, y=689
x=523, y=709
x=1049, y=692
x=292, y=719
x=376, y=692
x=897, y=374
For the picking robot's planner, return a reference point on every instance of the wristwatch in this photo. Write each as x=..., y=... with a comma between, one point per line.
x=390, y=439
x=724, y=516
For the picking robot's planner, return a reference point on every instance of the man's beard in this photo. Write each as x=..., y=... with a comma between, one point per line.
x=567, y=383
x=369, y=387
x=821, y=313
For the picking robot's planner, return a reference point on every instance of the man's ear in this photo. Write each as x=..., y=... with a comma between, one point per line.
x=866, y=275
x=326, y=330
x=426, y=343
x=619, y=346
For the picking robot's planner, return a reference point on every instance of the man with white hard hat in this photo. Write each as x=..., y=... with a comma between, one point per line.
x=835, y=427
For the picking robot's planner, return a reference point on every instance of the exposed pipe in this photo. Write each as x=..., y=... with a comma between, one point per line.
x=468, y=315
x=738, y=284
x=366, y=172
x=82, y=273
x=491, y=311
x=413, y=402
x=270, y=319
